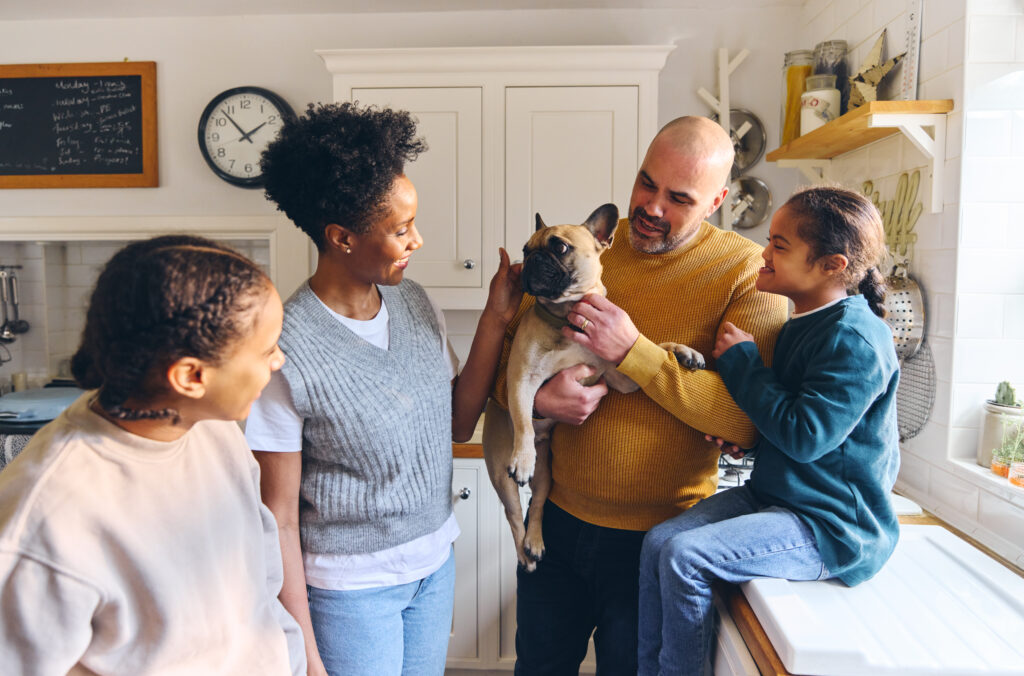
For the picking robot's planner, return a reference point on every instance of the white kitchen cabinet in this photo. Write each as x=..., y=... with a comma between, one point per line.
x=484, y=623
x=512, y=131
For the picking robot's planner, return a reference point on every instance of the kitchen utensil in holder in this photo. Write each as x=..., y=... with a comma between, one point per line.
x=6, y=334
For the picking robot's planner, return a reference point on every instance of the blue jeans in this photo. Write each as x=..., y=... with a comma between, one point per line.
x=728, y=536
x=386, y=631
x=586, y=580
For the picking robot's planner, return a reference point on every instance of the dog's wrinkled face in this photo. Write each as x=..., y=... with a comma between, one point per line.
x=563, y=261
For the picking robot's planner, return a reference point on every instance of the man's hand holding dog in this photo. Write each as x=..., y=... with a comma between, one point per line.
x=565, y=399
x=605, y=329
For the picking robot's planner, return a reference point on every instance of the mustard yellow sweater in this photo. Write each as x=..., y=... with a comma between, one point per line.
x=641, y=458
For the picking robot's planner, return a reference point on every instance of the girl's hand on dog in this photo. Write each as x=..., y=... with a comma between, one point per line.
x=729, y=449
x=565, y=399
x=506, y=292
x=729, y=336
x=606, y=329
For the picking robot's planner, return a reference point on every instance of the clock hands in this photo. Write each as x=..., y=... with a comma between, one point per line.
x=240, y=130
x=248, y=136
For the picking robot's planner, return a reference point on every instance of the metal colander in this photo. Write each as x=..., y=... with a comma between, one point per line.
x=904, y=305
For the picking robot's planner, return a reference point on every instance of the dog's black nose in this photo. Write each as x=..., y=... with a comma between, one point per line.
x=544, y=276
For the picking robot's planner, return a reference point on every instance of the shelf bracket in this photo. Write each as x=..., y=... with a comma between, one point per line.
x=815, y=170
x=933, y=146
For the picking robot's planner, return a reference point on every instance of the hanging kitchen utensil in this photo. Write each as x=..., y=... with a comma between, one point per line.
x=748, y=139
x=904, y=306
x=6, y=335
x=18, y=325
x=915, y=394
x=752, y=203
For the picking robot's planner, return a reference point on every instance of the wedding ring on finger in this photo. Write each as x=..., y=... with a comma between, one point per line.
x=584, y=324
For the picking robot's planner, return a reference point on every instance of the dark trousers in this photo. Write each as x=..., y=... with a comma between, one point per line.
x=586, y=583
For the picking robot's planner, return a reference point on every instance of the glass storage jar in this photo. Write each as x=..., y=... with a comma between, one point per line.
x=830, y=59
x=796, y=66
x=819, y=104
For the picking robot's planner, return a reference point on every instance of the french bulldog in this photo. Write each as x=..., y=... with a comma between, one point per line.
x=561, y=264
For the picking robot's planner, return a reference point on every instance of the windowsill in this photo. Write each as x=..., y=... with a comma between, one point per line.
x=984, y=478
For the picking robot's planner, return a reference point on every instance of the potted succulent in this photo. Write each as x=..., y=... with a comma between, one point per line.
x=1013, y=450
x=1000, y=414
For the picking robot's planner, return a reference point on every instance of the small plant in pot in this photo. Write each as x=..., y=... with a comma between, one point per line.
x=1012, y=450
x=999, y=415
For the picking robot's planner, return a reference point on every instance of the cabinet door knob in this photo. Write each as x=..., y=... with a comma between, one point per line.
x=469, y=263
x=465, y=493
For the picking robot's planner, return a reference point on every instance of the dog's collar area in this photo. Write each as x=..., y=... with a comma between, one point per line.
x=554, y=320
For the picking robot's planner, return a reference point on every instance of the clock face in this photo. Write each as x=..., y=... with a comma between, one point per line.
x=235, y=128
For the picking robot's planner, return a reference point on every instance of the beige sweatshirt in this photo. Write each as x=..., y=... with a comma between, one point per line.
x=123, y=555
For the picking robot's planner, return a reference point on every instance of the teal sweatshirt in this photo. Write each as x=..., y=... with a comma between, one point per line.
x=829, y=447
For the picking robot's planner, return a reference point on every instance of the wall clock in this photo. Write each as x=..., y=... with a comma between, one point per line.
x=234, y=129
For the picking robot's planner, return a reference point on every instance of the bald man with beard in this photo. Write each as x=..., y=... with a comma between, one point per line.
x=623, y=463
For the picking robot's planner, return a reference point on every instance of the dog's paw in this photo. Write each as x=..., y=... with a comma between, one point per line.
x=534, y=550
x=521, y=469
x=686, y=356
x=528, y=567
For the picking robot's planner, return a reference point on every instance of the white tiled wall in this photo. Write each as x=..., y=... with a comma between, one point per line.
x=970, y=258
x=55, y=282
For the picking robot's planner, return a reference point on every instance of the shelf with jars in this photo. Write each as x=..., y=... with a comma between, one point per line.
x=814, y=152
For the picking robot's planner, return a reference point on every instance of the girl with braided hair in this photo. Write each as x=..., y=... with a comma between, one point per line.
x=354, y=433
x=132, y=536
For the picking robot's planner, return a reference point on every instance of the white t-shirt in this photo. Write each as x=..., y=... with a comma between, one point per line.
x=124, y=555
x=275, y=425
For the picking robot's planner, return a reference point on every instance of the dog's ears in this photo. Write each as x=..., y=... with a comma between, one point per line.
x=540, y=223
x=602, y=222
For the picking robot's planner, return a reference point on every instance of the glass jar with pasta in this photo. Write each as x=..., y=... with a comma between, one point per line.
x=796, y=66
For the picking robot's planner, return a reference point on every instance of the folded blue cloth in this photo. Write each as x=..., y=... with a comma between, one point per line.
x=37, y=405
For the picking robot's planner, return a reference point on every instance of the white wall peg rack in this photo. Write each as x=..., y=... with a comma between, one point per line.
x=721, y=106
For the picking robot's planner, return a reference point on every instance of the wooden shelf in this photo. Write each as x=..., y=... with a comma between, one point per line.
x=853, y=130
x=813, y=152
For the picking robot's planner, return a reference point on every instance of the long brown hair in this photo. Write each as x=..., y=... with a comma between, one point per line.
x=834, y=220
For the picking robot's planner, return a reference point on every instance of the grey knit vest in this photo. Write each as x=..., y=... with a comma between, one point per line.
x=376, y=432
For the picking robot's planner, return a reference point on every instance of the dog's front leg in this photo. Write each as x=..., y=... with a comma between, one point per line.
x=520, y=408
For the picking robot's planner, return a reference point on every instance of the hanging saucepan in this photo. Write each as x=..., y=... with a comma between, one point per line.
x=904, y=305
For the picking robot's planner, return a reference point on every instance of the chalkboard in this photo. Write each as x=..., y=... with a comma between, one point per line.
x=78, y=125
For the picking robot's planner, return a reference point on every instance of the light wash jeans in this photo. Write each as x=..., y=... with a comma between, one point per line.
x=728, y=536
x=386, y=631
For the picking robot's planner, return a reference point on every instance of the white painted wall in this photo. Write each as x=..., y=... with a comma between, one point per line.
x=197, y=57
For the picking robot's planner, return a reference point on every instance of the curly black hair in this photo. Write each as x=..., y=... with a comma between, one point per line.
x=337, y=164
x=156, y=301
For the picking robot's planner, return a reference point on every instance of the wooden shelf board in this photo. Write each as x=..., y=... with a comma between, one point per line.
x=851, y=131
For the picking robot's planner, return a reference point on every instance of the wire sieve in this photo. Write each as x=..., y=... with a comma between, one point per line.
x=915, y=394
x=904, y=306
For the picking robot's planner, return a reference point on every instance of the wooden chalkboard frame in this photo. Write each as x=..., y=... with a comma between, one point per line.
x=149, y=178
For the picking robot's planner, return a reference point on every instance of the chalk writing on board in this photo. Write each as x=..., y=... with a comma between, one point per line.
x=71, y=125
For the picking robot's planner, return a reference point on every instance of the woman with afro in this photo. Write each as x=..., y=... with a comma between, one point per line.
x=354, y=434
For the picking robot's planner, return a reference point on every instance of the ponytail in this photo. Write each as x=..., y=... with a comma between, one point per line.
x=872, y=287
